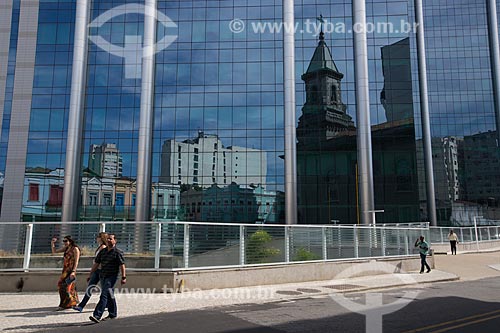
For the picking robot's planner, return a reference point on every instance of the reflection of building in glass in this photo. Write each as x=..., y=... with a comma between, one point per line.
x=204, y=161
x=326, y=152
x=323, y=114
x=481, y=172
x=42, y=198
x=233, y=204
x=232, y=86
x=105, y=160
x=396, y=97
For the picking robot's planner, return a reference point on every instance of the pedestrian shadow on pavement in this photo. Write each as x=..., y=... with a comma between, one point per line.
x=37, y=312
x=49, y=327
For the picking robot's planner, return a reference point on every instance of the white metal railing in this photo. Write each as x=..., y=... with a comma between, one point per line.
x=186, y=245
x=472, y=234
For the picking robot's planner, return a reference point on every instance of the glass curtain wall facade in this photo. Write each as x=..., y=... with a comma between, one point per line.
x=218, y=136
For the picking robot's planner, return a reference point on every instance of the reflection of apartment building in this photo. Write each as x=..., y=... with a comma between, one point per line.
x=482, y=169
x=204, y=161
x=105, y=160
x=445, y=161
x=233, y=204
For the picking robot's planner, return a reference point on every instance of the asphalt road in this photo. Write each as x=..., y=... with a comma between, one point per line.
x=472, y=306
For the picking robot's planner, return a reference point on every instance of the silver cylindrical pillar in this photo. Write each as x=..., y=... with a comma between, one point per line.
x=424, y=110
x=143, y=198
x=364, y=138
x=71, y=194
x=491, y=7
x=289, y=101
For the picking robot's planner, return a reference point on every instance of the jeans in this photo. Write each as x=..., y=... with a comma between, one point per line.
x=453, y=247
x=107, y=297
x=94, y=280
x=423, y=262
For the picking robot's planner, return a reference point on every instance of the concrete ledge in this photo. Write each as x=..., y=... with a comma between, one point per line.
x=36, y=281
x=281, y=274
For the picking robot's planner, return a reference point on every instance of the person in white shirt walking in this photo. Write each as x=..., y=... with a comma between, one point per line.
x=453, y=238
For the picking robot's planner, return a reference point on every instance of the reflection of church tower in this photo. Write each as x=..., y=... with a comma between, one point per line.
x=323, y=115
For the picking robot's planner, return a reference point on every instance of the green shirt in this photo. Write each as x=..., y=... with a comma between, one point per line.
x=423, y=247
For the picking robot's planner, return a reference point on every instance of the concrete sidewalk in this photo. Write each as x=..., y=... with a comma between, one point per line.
x=16, y=309
x=20, y=312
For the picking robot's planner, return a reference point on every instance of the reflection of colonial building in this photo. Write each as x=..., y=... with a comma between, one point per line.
x=42, y=194
x=233, y=204
x=106, y=199
x=327, y=157
x=204, y=161
x=105, y=160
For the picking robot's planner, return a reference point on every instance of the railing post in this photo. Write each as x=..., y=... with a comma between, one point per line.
x=339, y=240
x=158, y=246
x=441, y=234
x=471, y=231
x=407, y=245
x=27, y=247
x=287, y=244
x=356, y=242
x=489, y=234
x=382, y=235
x=461, y=235
x=186, y=245
x=242, y=244
x=398, y=236
x=477, y=238
x=323, y=234
x=102, y=227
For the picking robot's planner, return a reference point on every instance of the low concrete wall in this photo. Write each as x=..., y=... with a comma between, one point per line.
x=469, y=246
x=37, y=281
x=278, y=274
x=47, y=281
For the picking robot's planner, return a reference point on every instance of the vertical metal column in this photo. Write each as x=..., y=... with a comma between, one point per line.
x=363, y=133
x=5, y=31
x=491, y=8
x=71, y=193
x=424, y=111
x=143, y=198
x=289, y=96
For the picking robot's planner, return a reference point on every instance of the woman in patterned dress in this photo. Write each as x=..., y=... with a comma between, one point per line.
x=66, y=283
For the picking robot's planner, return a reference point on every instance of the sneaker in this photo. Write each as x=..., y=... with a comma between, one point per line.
x=428, y=271
x=78, y=308
x=108, y=318
x=94, y=319
x=421, y=272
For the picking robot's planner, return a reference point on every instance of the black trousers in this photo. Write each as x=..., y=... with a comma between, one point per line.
x=423, y=262
x=453, y=247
